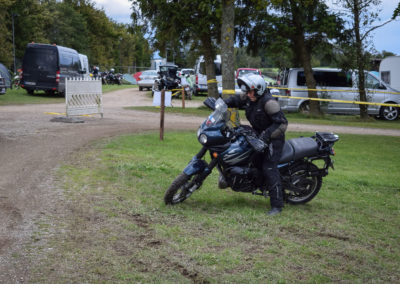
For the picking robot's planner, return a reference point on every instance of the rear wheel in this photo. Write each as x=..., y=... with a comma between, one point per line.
x=180, y=189
x=389, y=113
x=304, y=186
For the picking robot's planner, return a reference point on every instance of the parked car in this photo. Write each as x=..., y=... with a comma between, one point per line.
x=341, y=86
x=201, y=77
x=146, y=79
x=243, y=71
x=45, y=67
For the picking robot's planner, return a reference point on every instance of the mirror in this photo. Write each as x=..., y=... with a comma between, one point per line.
x=210, y=103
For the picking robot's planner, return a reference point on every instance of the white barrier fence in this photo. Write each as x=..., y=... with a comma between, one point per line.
x=83, y=96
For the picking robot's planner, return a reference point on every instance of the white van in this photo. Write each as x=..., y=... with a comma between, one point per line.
x=339, y=85
x=84, y=63
x=389, y=69
x=201, y=77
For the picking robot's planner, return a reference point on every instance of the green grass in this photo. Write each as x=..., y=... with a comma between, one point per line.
x=20, y=96
x=328, y=119
x=117, y=229
x=343, y=120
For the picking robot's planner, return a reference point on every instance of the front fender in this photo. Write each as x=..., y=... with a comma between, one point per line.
x=195, y=166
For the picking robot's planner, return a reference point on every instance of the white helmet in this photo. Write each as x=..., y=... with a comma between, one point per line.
x=112, y=70
x=252, y=82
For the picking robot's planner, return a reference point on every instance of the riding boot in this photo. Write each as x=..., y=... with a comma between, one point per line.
x=222, y=183
x=276, y=198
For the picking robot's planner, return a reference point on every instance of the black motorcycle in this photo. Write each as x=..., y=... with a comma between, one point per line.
x=237, y=153
x=169, y=80
x=112, y=78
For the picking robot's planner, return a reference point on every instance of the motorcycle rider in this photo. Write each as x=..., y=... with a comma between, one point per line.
x=265, y=116
x=95, y=72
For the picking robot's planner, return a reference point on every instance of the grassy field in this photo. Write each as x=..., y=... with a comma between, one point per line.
x=116, y=228
x=20, y=96
x=328, y=119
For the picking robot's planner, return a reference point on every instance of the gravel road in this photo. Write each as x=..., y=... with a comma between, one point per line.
x=32, y=147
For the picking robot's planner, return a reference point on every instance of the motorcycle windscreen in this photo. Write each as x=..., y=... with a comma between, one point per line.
x=219, y=115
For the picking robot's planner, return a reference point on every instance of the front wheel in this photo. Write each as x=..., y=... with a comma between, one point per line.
x=304, y=186
x=180, y=189
x=389, y=113
x=305, y=107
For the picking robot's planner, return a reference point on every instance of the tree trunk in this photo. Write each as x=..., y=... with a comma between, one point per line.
x=209, y=57
x=227, y=47
x=228, y=54
x=305, y=58
x=360, y=61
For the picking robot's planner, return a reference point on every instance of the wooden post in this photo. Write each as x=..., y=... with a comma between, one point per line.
x=162, y=115
x=183, y=97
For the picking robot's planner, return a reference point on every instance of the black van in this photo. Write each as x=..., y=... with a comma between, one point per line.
x=46, y=66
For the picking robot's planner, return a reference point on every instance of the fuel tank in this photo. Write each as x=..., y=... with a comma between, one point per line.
x=239, y=153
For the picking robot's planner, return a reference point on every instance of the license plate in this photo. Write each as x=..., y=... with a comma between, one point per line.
x=30, y=83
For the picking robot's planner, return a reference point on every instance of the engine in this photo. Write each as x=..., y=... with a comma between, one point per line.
x=243, y=179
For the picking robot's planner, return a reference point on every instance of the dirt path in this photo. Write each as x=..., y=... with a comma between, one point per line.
x=32, y=147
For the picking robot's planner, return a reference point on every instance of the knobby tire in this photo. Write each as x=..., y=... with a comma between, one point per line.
x=176, y=193
x=310, y=184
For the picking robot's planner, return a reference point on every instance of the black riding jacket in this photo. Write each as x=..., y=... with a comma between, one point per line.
x=264, y=115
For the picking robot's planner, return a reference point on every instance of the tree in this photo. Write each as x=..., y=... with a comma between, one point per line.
x=67, y=27
x=29, y=24
x=5, y=33
x=227, y=47
x=362, y=15
x=183, y=22
x=72, y=23
x=396, y=12
x=228, y=54
x=301, y=26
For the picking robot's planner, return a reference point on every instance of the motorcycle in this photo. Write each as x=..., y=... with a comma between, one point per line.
x=237, y=154
x=112, y=78
x=16, y=82
x=109, y=78
x=168, y=80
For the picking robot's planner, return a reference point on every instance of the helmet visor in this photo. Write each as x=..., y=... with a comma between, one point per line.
x=244, y=88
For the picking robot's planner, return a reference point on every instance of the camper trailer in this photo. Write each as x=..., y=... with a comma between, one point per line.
x=389, y=69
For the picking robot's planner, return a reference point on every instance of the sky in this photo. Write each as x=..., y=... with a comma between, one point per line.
x=385, y=38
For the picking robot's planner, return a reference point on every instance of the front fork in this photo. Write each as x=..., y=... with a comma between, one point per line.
x=200, y=167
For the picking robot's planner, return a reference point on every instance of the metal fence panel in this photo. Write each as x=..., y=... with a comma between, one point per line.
x=83, y=96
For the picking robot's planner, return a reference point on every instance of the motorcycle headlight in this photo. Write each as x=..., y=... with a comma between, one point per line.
x=203, y=139
x=198, y=132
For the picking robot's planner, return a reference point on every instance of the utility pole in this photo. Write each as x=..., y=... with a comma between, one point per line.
x=13, y=36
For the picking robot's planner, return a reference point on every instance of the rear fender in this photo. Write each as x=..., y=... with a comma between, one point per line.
x=195, y=166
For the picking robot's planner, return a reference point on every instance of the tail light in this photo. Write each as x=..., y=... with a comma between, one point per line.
x=58, y=77
x=288, y=93
x=197, y=79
